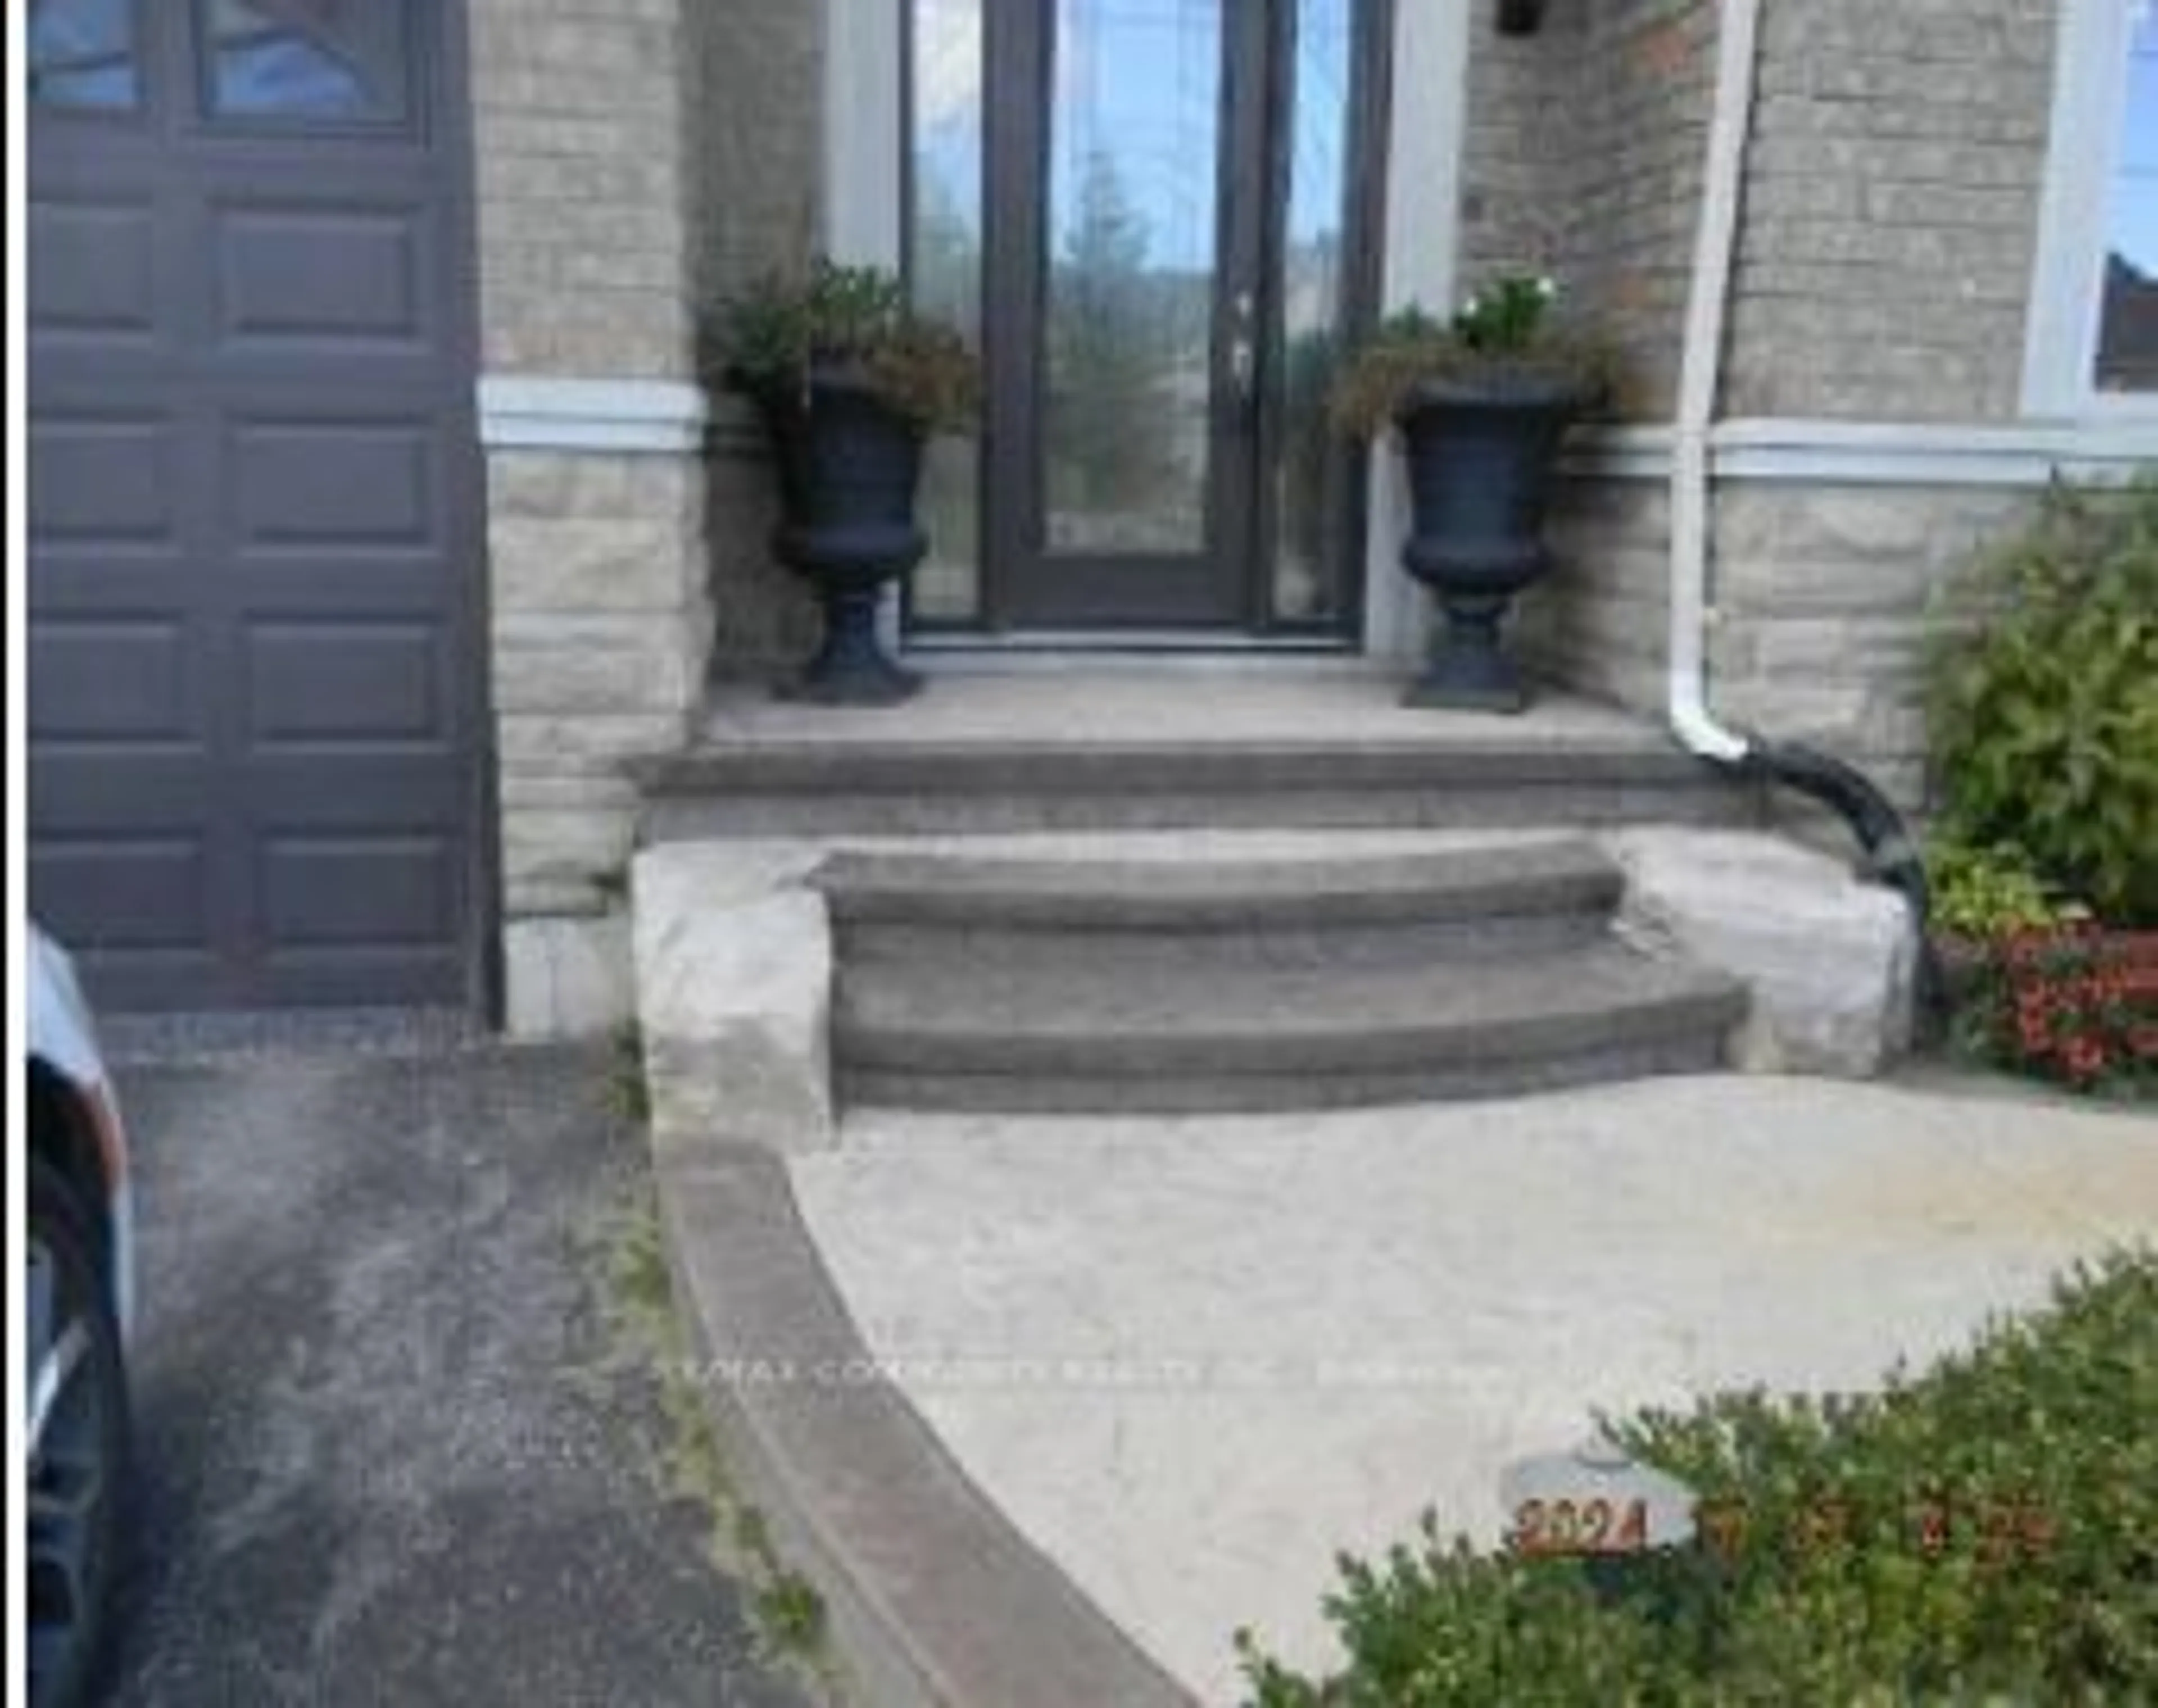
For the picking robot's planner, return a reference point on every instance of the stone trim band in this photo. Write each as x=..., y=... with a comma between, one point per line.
x=1878, y=454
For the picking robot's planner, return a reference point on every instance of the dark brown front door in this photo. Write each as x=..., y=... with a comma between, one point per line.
x=254, y=670
x=1178, y=236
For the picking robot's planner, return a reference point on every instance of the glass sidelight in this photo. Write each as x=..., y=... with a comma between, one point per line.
x=945, y=252
x=1151, y=213
x=1317, y=473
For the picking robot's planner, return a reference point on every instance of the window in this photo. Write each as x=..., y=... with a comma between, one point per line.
x=2092, y=346
x=2127, y=359
x=335, y=59
x=83, y=55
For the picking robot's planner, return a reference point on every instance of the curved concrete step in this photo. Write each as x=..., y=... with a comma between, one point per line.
x=1502, y=880
x=1129, y=917
x=1041, y=1034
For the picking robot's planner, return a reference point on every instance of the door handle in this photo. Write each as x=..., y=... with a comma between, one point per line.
x=1243, y=351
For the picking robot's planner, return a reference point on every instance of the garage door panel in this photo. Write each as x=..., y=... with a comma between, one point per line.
x=113, y=482
x=91, y=270
x=355, y=792
x=145, y=789
x=381, y=892
x=372, y=684
x=149, y=892
x=114, y=679
x=361, y=587
x=300, y=279
x=339, y=485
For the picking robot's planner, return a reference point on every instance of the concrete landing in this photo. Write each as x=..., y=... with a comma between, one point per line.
x=1167, y=703
x=1190, y=1359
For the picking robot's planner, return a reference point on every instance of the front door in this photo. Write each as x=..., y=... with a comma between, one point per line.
x=1178, y=223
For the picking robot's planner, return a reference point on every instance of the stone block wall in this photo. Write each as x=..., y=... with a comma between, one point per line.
x=1598, y=622
x=1887, y=247
x=583, y=181
x=1823, y=595
x=637, y=160
x=1821, y=592
x=1581, y=159
x=599, y=607
x=1892, y=214
x=1892, y=196
x=756, y=127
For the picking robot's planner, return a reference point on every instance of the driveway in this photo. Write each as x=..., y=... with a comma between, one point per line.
x=386, y=1454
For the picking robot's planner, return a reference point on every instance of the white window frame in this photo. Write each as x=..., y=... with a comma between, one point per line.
x=2089, y=120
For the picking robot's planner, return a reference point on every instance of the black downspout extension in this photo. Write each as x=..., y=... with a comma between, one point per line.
x=1892, y=856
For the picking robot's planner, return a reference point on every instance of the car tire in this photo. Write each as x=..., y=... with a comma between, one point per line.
x=75, y=1482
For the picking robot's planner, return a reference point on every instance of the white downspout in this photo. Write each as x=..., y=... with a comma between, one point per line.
x=1715, y=256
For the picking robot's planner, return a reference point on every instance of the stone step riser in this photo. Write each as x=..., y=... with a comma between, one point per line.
x=1400, y=1044
x=890, y=951
x=1506, y=880
x=1039, y=1094
x=690, y=818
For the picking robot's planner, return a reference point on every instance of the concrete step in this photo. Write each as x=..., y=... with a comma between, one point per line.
x=959, y=1031
x=1500, y=879
x=891, y=786
x=1123, y=914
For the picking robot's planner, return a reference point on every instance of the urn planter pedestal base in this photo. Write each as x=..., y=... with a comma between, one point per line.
x=1469, y=670
x=851, y=667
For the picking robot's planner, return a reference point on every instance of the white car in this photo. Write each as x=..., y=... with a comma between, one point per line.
x=78, y=1302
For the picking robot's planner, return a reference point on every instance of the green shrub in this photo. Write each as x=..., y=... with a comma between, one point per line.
x=2043, y=699
x=1986, y=892
x=1987, y=1532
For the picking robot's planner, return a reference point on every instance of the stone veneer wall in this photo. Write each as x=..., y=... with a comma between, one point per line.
x=1822, y=597
x=600, y=614
x=757, y=120
x=1891, y=217
x=1886, y=254
x=636, y=160
x=1582, y=159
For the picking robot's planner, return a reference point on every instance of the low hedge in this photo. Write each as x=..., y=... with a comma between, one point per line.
x=1986, y=1532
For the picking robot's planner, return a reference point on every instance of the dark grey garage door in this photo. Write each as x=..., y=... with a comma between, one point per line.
x=255, y=669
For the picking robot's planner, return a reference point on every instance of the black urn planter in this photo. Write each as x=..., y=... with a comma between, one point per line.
x=1480, y=455
x=850, y=466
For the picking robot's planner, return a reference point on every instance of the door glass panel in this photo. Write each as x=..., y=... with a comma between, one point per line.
x=1133, y=215
x=82, y=55
x=336, y=59
x=2127, y=330
x=944, y=260
x=1316, y=466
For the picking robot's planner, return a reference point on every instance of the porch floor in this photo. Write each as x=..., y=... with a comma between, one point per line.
x=1170, y=704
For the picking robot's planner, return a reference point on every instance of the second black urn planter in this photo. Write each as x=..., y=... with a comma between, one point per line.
x=1480, y=456
x=850, y=466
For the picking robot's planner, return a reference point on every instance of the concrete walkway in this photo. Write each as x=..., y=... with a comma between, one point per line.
x=1192, y=1359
